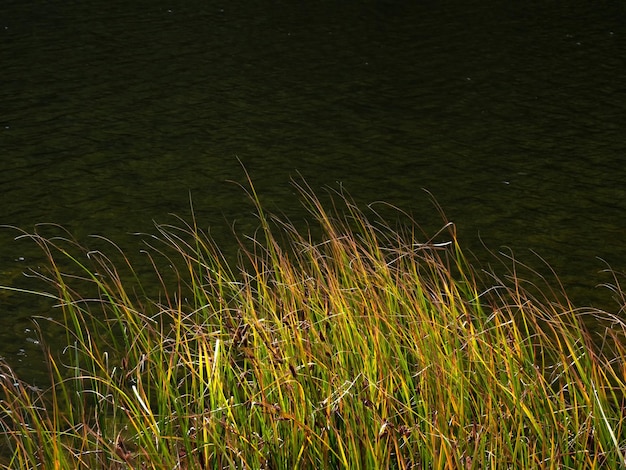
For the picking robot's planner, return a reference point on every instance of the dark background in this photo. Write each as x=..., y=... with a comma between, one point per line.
x=511, y=114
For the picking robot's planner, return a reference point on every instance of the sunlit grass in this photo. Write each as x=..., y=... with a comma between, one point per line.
x=363, y=347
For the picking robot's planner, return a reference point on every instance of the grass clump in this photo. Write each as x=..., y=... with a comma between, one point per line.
x=364, y=347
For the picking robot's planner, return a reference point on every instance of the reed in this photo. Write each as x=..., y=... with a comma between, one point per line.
x=363, y=347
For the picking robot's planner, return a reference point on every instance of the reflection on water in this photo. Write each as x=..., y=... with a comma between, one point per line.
x=114, y=112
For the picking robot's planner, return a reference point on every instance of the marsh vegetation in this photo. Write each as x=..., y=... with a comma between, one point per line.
x=355, y=344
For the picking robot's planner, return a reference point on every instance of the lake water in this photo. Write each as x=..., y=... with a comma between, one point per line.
x=512, y=114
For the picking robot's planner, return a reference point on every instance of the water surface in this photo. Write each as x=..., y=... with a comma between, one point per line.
x=512, y=116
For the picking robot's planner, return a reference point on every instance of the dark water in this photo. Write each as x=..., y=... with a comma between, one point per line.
x=512, y=114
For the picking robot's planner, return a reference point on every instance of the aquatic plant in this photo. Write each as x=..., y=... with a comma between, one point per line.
x=350, y=345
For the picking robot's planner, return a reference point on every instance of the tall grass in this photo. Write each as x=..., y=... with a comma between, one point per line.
x=363, y=347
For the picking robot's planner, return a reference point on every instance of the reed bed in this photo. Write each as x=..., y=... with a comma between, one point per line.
x=363, y=346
